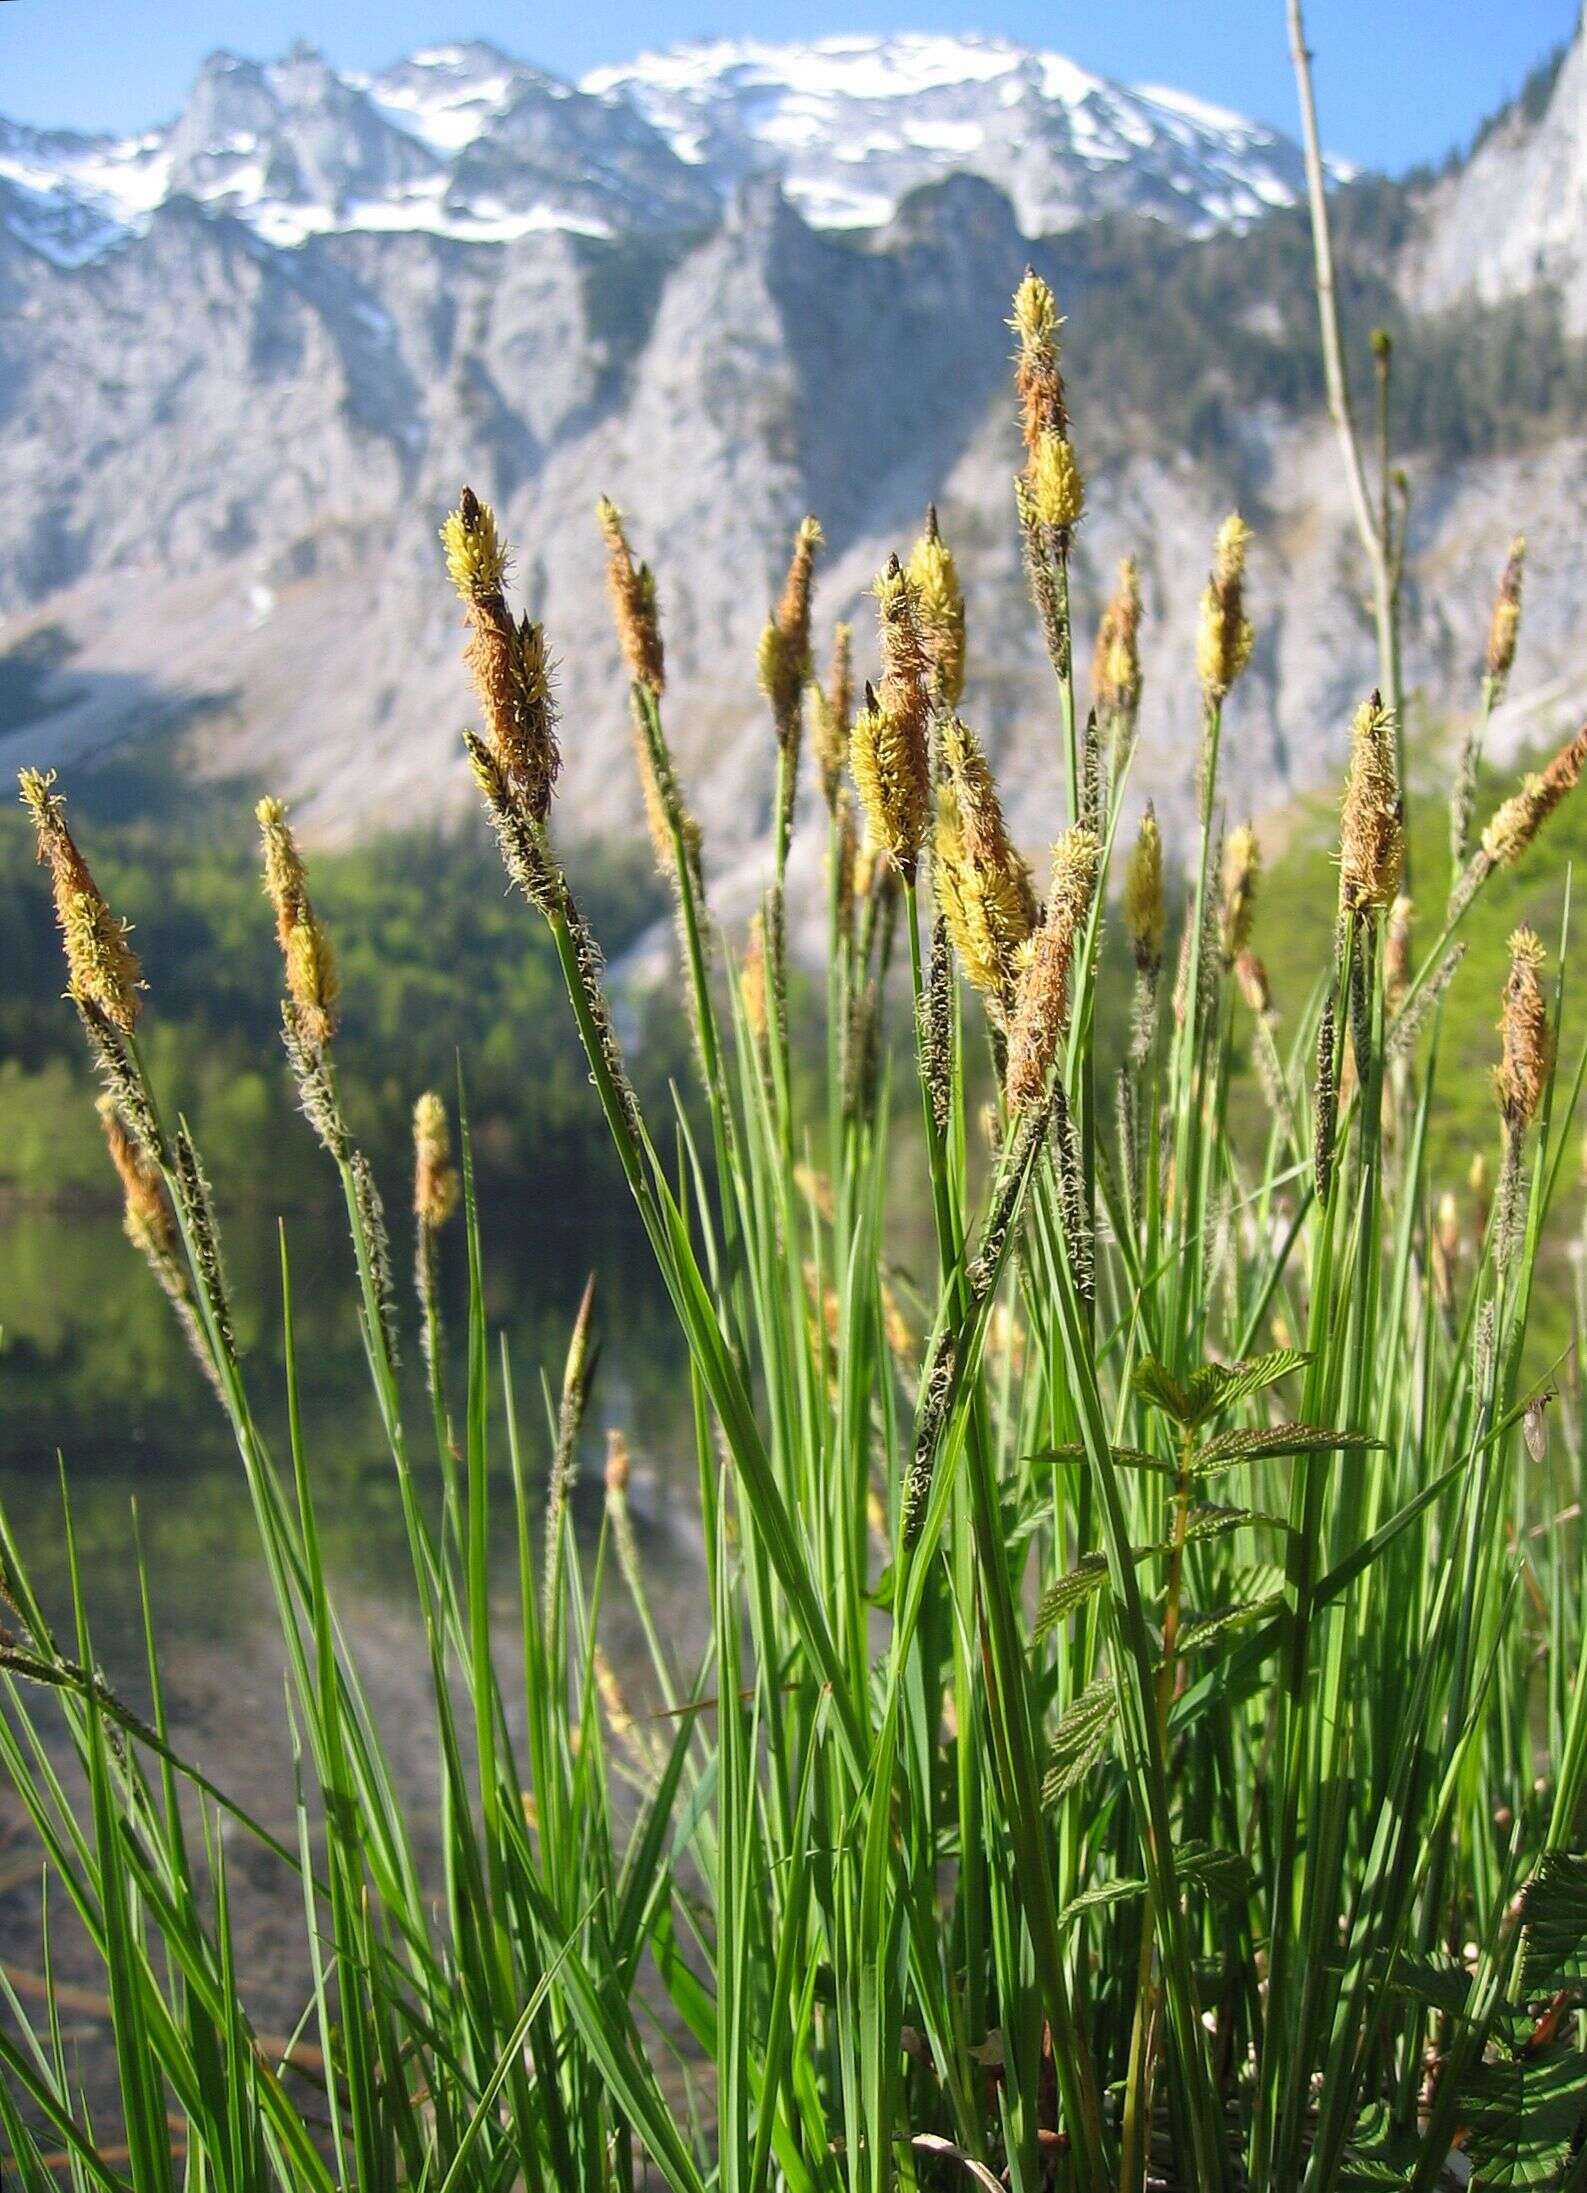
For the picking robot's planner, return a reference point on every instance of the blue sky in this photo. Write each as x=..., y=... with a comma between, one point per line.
x=1399, y=80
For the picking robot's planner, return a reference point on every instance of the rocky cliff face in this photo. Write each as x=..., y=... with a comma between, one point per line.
x=1514, y=217
x=223, y=463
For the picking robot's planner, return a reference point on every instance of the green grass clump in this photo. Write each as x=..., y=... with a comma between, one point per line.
x=1138, y=1737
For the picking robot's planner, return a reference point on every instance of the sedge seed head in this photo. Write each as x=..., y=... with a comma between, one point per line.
x=935, y=578
x=1527, y=1044
x=101, y=965
x=313, y=986
x=1145, y=917
x=887, y=748
x=476, y=556
x=1518, y=821
x=1057, y=491
x=1116, y=662
x=1372, y=824
x=1242, y=868
x=632, y=589
x=1504, y=625
x=507, y=662
x=983, y=887
x=1042, y=1004
x=436, y=1187
x=1037, y=379
x=1250, y=972
x=1224, y=635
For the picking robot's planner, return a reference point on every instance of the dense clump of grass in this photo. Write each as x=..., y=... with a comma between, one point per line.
x=1140, y=1737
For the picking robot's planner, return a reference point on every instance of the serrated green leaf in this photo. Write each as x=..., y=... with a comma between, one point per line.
x=1554, y=1924
x=1267, y=1443
x=1207, y=1520
x=1200, y=1630
x=1100, y=1899
x=1521, y=2106
x=1088, y=1575
x=1155, y=1383
x=1224, y=1385
x=1225, y=1874
x=1080, y=1739
x=1124, y=1458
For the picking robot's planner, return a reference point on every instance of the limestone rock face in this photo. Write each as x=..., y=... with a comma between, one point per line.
x=224, y=459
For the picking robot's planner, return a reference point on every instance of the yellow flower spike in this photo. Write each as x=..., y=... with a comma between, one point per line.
x=101, y=965
x=1372, y=826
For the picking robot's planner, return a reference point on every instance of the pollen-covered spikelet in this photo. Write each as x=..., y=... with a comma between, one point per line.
x=887, y=746
x=752, y=980
x=1372, y=822
x=1397, y=943
x=100, y=964
x=1145, y=918
x=1527, y=1045
x=150, y=1221
x=1054, y=484
x=1504, y=625
x=1242, y=868
x=783, y=659
x=832, y=708
x=1250, y=972
x=1042, y=1003
x=983, y=886
x=435, y=1183
x=312, y=983
x=1519, y=820
x=507, y=661
x=1116, y=659
x=935, y=579
x=1051, y=491
x=1038, y=380
x=1224, y=636
x=632, y=588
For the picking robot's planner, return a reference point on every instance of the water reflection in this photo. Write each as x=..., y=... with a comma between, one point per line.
x=94, y=1370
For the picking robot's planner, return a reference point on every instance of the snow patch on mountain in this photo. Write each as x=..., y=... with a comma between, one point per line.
x=464, y=141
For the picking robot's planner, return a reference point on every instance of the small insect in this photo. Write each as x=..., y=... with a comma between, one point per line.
x=1535, y=1427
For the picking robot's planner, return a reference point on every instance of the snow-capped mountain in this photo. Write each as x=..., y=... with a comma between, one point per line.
x=464, y=141
x=853, y=124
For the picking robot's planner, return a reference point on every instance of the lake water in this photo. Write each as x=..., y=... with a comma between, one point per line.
x=93, y=1370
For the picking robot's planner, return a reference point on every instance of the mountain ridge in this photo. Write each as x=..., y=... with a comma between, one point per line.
x=224, y=464
x=468, y=141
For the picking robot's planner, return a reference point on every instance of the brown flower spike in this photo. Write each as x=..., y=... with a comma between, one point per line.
x=1519, y=820
x=1527, y=1043
x=436, y=1188
x=1042, y=1005
x=887, y=748
x=1116, y=662
x=507, y=662
x=101, y=965
x=935, y=578
x=1224, y=638
x=1372, y=826
x=312, y=983
x=632, y=588
x=983, y=886
x=1504, y=626
x=783, y=663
